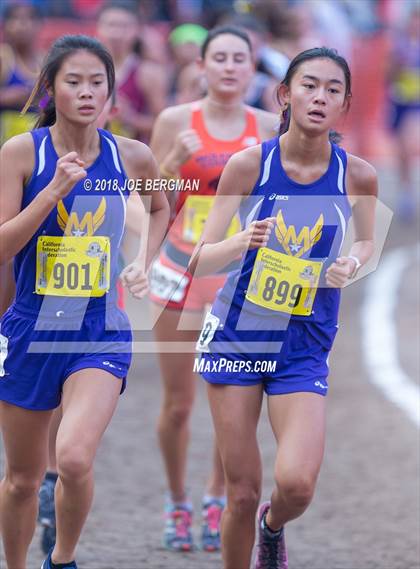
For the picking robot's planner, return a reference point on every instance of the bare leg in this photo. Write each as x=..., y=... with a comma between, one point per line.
x=179, y=383
x=52, y=438
x=89, y=400
x=25, y=435
x=235, y=412
x=298, y=422
x=216, y=482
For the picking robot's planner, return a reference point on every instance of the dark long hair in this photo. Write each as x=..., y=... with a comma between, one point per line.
x=219, y=30
x=59, y=52
x=307, y=55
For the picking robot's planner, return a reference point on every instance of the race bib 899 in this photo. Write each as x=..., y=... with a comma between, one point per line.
x=284, y=283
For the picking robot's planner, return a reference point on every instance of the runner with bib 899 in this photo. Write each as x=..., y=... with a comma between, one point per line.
x=295, y=195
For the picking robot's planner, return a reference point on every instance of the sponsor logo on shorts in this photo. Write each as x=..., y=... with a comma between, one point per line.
x=321, y=385
x=109, y=364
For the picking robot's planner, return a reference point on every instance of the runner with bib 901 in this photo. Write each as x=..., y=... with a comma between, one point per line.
x=64, y=339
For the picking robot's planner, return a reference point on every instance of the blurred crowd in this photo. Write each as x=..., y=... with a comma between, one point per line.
x=156, y=43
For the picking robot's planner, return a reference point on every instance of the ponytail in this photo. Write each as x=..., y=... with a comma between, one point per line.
x=47, y=115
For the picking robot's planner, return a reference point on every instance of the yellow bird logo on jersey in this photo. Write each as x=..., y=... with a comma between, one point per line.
x=297, y=245
x=88, y=225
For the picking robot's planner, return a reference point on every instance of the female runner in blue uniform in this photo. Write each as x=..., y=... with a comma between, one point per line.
x=64, y=339
x=273, y=323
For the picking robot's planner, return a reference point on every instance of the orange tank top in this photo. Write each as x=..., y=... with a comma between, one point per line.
x=206, y=165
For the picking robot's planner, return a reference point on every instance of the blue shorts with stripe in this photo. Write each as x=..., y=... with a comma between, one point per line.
x=39, y=352
x=288, y=360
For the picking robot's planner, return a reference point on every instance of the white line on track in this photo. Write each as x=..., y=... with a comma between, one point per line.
x=379, y=333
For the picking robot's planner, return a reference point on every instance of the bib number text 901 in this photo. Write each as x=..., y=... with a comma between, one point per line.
x=70, y=276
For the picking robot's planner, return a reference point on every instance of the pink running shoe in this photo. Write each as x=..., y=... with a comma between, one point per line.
x=210, y=528
x=271, y=552
x=177, y=535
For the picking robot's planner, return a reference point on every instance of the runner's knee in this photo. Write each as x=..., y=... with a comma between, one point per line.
x=23, y=486
x=178, y=413
x=296, y=488
x=243, y=497
x=74, y=463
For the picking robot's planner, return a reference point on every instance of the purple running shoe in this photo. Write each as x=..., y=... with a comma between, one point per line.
x=271, y=552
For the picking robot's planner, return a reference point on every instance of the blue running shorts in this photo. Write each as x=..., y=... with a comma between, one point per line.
x=38, y=354
x=289, y=360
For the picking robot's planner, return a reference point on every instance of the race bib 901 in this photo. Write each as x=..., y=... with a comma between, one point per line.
x=73, y=266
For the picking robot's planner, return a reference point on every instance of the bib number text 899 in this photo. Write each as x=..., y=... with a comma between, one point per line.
x=283, y=291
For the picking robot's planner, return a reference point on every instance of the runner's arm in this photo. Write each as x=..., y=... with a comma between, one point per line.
x=136, y=213
x=168, y=125
x=140, y=164
x=362, y=188
x=213, y=252
x=173, y=143
x=16, y=226
x=7, y=289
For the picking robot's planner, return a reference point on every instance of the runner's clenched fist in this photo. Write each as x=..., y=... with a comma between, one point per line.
x=69, y=171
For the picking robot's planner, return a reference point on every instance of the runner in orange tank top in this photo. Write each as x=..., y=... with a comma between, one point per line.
x=205, y=165
x=193, y=142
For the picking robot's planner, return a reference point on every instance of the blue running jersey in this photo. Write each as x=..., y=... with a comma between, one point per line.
x=286, y=279
x=65, y=317
x=64, y=277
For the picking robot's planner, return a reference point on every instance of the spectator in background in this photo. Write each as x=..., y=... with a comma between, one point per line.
x=187, y=83
x=404, y=106
x=261, y=92
x=284, y=33
x=301, y=25
x=326, y=22
x=19, y=66
x=83, y=9
x=141, y=84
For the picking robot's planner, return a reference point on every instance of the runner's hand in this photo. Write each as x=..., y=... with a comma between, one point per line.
x=257, y=233
x=339, y=272
x=135, y=279
x=69, y=170
x=187, y=143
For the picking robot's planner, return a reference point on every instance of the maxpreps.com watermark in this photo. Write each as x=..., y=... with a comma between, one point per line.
x=237, y=366
x=138, y=184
